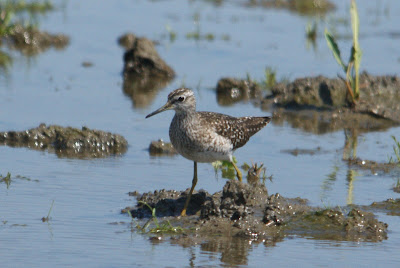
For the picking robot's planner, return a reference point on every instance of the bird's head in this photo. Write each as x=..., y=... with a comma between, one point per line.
x=181, y=100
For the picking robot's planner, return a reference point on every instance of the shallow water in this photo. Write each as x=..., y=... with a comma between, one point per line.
x=88, y=195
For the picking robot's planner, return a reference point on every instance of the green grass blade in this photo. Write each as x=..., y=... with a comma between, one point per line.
x=335, y=49
x=356, y=50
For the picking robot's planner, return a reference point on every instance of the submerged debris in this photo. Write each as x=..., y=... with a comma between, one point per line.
x=246, y=211
x=67, y=141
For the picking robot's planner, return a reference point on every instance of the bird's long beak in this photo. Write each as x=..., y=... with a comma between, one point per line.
x=166, y=106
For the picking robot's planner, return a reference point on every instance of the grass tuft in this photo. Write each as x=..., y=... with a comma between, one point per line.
x=352, y=68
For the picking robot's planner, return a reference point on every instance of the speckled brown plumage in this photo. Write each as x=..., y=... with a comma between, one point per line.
x=237, y=129
x=206, y=136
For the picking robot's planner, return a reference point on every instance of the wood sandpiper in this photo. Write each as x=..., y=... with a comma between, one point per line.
x=206, y=136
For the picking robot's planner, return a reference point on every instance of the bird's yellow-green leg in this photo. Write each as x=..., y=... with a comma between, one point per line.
x=238, y=173
x=194, y=182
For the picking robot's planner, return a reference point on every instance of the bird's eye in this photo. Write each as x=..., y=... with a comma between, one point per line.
x=180, y=99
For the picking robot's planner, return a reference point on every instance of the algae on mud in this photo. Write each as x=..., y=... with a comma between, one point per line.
x=67, y=141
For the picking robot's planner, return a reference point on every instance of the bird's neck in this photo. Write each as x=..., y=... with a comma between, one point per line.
x=185, y=113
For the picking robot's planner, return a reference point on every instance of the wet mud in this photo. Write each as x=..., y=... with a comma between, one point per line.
x=31, y=41
x=161, y=148
x=231, y=90
x=144, y=71
x=67, y=141
x=390, y=207
x=248, y=212
x=320, y=105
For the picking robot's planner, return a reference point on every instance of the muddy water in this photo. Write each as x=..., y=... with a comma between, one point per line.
x=86, y=227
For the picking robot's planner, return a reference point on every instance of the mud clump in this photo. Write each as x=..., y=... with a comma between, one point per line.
x=159, y=148
x=247, y=211
x=321, y=105
x=141, y=58
x=67, y=141
x=167, y=203
x=31, y=41
x=145, y=73
x=231, y=90
x=372, y=165
x=236, y=201
x=390, y=206
x=357, y=225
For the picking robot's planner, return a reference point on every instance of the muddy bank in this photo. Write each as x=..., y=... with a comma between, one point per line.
x=67, y=141
x=31, y=41
x=320, y=105
x=247, y=211
x=144, y=72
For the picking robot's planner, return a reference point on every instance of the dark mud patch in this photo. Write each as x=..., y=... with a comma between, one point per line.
x=161, y=148
x=31, y=41
x=145, y=72
x=320, y=105
x=247, y=211
x=232, y=90
x=67, y=141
